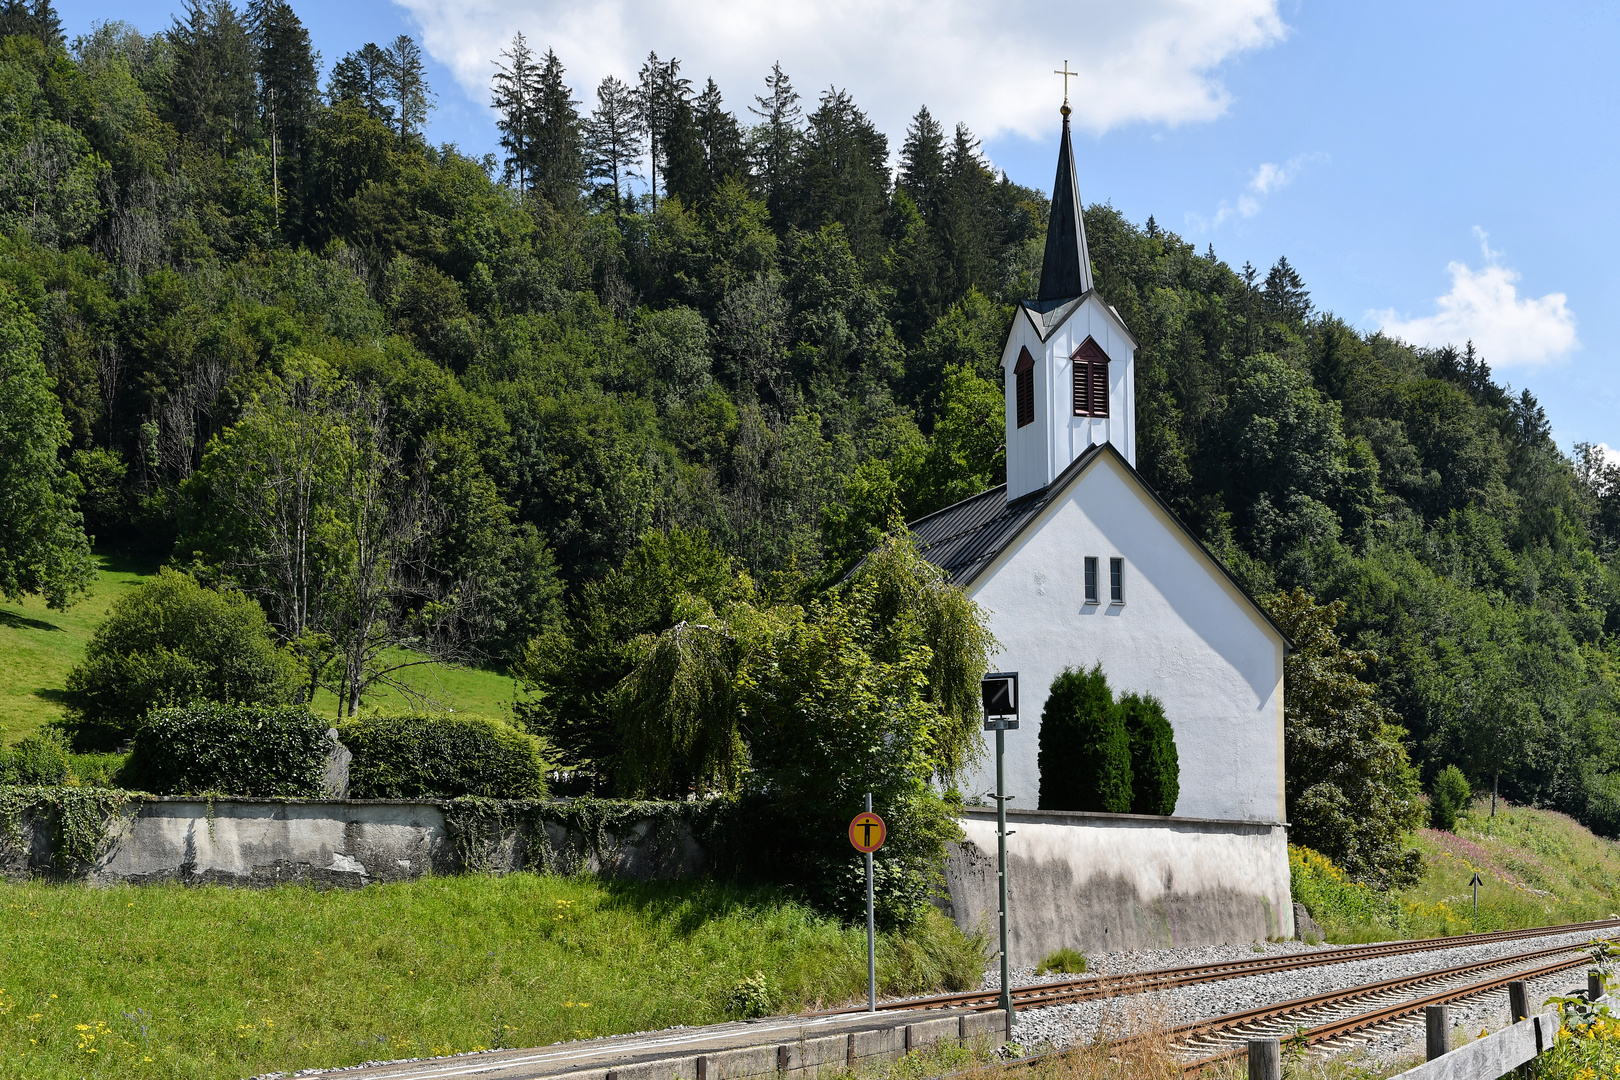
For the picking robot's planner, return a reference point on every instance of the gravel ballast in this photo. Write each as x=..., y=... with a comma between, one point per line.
x=1061, y=1026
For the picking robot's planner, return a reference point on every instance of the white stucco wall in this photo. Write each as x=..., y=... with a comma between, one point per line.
x=1104, y=882
x=1038, y=452
x=1184, y=634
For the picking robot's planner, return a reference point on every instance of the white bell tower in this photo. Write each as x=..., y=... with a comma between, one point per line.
x=1069, y=365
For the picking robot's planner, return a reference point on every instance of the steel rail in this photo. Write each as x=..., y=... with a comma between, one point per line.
x=1350, y=1025
x=1039, y=995
x=1231, y=1025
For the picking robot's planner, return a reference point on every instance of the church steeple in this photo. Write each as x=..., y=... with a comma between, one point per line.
x=1066, y=268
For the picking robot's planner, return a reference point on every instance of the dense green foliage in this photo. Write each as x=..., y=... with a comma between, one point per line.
x=43, y=548
x=40, y=760
x=1155, y=766
x=521, y=366
x=1450, y=794
x=170, y=642
x=1085, y=746
x=411, y=757
x=1352, y=794
x=254, y=751
x=798, y=711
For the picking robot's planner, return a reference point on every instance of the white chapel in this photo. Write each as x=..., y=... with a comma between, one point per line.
x=1078, y=561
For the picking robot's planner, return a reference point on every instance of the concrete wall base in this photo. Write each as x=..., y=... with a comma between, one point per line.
x=343, y=843
x=1110, y=882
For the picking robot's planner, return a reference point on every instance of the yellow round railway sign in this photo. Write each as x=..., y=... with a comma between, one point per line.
x=867, y=832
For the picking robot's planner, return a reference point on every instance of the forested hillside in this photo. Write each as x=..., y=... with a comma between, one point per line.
x=300, y=350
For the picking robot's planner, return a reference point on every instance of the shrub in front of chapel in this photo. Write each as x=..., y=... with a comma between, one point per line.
x=1155, y=766
x=1085, y=749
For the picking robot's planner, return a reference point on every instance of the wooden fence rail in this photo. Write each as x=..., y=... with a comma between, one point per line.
x=1489, y=1058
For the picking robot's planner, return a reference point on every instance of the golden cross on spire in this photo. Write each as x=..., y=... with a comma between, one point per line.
x=1066, y=73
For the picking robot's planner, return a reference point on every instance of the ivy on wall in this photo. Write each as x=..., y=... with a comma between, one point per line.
x=80, y=821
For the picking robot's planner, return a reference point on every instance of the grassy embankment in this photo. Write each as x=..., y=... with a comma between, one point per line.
x=170, y=981
x=39, y=646
x=1539, y=868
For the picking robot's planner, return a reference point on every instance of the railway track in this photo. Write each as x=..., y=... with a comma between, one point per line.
x=1067, y=991
x=1332, y=1020
x=1336, y=1016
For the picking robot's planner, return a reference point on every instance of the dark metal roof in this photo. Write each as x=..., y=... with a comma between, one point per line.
x=1066, y=266
x=964, y=539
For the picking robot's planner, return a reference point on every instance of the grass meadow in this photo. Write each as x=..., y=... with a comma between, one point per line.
x=39, y=646
x=1537, y=867
x=214, y=982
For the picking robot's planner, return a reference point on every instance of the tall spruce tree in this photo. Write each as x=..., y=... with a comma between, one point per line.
x=965, y=220
x=556, y=166
x=37, y=20
x=213, y=89
x=516, y=90
x=777, y=140
x=289, y=94
x=408, y=86
x=365, y=78
x=686, y=173
x=922, y=164
x=721, y=138
x=844, y=175
x=1285, y=295
x=661, y=103
x=613, y=140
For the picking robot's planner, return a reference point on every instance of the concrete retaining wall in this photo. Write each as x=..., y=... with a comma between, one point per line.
x=1104, y=882
x=1093, y=882
x=344, y=842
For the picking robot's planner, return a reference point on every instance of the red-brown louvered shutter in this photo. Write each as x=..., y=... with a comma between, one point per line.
x=1024, y=378
x=1090, y=357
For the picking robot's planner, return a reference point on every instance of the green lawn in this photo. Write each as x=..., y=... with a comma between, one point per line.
x=194, y=982
x=39, y=646
x=460, y=689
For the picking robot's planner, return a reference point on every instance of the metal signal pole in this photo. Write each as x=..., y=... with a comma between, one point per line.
x=999, y=690
x=1001, y=864
x=871, y=930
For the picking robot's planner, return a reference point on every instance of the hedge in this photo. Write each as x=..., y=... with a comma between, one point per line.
x=1085, y=751
x=1101, y=755
x=252, y=751
x=409, y=757
x=1155, y=766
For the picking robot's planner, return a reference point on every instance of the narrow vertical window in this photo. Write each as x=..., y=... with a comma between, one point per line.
x=1090, y=379
x=1024, y=380
x=1091, y=579
x=1116, y=581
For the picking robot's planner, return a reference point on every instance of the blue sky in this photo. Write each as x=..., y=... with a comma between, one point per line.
x=1442, y=169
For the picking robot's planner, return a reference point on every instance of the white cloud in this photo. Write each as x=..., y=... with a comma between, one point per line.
x=990, y=65
x=1269, y=177
x=1484, y=307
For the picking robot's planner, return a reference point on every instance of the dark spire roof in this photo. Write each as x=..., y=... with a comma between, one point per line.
x=1066, y=269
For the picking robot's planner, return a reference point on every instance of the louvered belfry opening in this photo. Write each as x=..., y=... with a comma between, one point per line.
x=1024, y=380
x=1090, y=379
